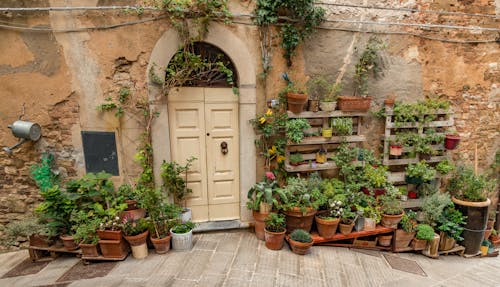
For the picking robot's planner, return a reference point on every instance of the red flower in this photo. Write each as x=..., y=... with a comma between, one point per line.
x=270, y=175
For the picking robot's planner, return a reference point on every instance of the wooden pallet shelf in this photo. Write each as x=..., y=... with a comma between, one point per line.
x=36, y=253
x=322, y=114
x=332, y=140
x=353, y=235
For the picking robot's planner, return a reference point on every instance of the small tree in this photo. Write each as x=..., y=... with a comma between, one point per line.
x=173, y=182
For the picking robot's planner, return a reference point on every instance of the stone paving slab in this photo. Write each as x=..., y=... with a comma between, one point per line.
x=237, y=258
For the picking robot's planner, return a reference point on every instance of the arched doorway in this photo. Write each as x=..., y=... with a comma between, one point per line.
x=236, y=49
x=203, y=123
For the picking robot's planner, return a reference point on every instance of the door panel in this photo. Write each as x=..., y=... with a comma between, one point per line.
x=201, y=119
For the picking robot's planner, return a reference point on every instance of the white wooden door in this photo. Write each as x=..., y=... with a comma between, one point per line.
x=201, y=120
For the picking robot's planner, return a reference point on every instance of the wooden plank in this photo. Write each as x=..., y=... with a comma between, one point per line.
x=322, y=140
x=308, y=167
x=337, y=237
x=406, y=161
x=322, y=114
x=390, y=112
x=433, y=124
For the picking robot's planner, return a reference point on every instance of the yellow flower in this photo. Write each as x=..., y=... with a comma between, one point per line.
x=280, y=159
x=262, y=120
x=269, y=112
x=272, y=150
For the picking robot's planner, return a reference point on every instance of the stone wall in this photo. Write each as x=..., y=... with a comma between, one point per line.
x=62, y=77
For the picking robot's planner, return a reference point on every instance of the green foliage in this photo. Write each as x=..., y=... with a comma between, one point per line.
x=466, y=185
x=181, y=228
x=55, y=209
x=425, y=232
x=452, y=222
x=301, y=235
x=86, y=231
x=275, y=222
x=433, y=207
x=319, y=88
x=264, y=191
x=342, y=126
x=302, y=193
x=421, y=170
x=347, y=216
x=420, y=112
x=369, y=63
x=409, y=221
x=296, y=158
x=162, y=213
x=43, y=174
x=24, y=228
x=295, y=129
x=131, y=227
x=389, y=204
x=376, y=177
x=444, y=167
x=173, y=183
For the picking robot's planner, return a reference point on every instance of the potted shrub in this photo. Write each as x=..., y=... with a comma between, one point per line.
x=319, y=88
x=425, y=233
x=300, y=241
x=406, y=233
x=262, y=197
x=328, y=102
x=451, y=226
x=391, y=209
x=295, y=129
x=131, y=197
x=419, y=173
x=182, y=236
x=301, y=200
x=274, y=231
x=369, y=63
x=136, y=233
x=347, y=221
x=468, y=192
x=296, y=159
x=341, y=126
x=445, y=167
x=86, y=235
x=327, y=221
x=375, y=179
x=176, y=185
x=38, y=234
x=371, y=216
x=296, y=97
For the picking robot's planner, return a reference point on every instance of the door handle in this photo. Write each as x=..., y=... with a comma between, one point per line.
x=223, y=148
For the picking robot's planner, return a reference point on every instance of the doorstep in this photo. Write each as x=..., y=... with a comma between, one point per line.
x=220, y=225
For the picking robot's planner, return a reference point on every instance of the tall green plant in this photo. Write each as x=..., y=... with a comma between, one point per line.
x=369, y=62
x=173, y=182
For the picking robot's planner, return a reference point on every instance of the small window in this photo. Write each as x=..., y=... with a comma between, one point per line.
x=99, y=149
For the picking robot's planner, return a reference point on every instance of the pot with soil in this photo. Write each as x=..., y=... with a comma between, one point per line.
x=384, y=240
x=451, y=141
x=300, y=241
x=327, y=225
x=69, y=242
x=275, y=231
x=89, y=250
x=296, y=102
x=297, y=219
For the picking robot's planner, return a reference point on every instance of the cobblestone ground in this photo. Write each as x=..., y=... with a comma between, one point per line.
x=237, y=258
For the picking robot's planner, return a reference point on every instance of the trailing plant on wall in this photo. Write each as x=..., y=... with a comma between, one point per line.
x=369, y=62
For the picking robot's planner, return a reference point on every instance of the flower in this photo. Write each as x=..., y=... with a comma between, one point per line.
x=262, y=120
x=272, y=150
x=280, y=159
x=269, y=112
x=270, y=175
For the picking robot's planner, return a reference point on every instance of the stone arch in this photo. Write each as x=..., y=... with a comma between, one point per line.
x=237, y=50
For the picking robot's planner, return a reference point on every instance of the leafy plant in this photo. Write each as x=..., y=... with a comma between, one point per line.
x=173, y=183
x=86, y=231
x=43, y=173
x=131, y=227
x=347, y=216
x=444, y=167
x=376, y=177
x=162, y=213
x=370, y=211
x=425, y=232
x=319, y=88
x=452, y=222
x=296, y=158
x=275, y=222
x=181, y=228
x=301, y=193
x=342, y=126
x=369, y=62
x=421, y=170
x=466, y=185
x=295, y=129
x=409, y=221
x=433, y=207
x=389, y=204
x=24, y=228
x=335, y=208
x=266, y=191
x=301, y=235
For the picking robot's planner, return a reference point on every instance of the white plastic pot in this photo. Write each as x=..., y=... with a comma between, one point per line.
x=182, y=241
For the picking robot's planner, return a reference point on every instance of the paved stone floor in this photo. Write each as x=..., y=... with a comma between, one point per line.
x=237, y=258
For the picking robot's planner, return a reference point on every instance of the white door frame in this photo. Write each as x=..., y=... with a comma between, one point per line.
x=220, y=36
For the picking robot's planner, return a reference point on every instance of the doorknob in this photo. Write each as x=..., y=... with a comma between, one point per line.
x=223, y=148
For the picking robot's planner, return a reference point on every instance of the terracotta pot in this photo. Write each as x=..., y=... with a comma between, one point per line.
x=346, y=228
x=162, y=245
x=328, y=106
x=396, y=150
x=418, y=244
x=391, y=221
x=138, y=239
x=384, y=240
x=109, y=234
x=69, y=242
x=274, y=240
x=296, y=219
x=296, y=102
x=134, y=214
x=352, y=104
x=403, y=238
x=446, y=242
x=389, y=102
x=131, y=204
x=40, y=241
x=313, y=106
x=451, y=141
x=300, y=248
x=259, y=224
x=89, y=250
x=327, y=227
x=114, y=248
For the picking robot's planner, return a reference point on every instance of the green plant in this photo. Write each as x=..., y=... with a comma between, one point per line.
x=370, y=211
x=173, y=183
x=433, y=207
x=264, y=191
x=335, y=208
x=347, y=216
x=425, y=232
x=376, y=177
x=25, y=228
x=409, y=221
x=389, y=204
x=295, y=129
x=369, y=62
x=342, y=126
x=86, y=232
x=181, y=228
x=301, y=193
x=131, y=227
x=44, y=175
x=318, y=88
x=301, y=235
x=466, y=185
x=421, y=170
x=275, y=222
x=162, y=213
x=451, y=223
x=444, y=167
x=126, y=191
x=296, y=158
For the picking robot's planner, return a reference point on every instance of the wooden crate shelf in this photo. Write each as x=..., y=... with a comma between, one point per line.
x=353, y=237
x=36, y=253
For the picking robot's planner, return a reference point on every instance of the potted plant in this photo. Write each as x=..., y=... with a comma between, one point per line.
x=451, y=140
x=296, y=159
x=425, y=233
x=468, y=192
x=301, y=200
x=319, y=88
x=328, y=102
x=176, y=185
x=262, y=197
x=369, y=63
x=300, y=241
x=182, y=235
x=275, y=231
x=419, y=173
x=445, y=167
x=395, y=148
x=296, y=96
x=342, y=126
x=86, y=235
x=295, y=129
x=131, y=197
x=451, y=226
x=321, y=155
x=489, y=224
x=38, y=234
x=136, y=233
x=406, y=233
x=371, y=216
x=327, y=221
x=347, y=221
x=391, y=209
x=375, y=180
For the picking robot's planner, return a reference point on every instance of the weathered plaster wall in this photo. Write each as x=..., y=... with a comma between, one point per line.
x=62, y=77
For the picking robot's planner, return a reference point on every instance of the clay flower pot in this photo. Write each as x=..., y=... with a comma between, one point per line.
x=109, y=234
x=451, y=141
x=89, y=250
x=391, y=221
x=259, y=224
x=69, y=242
x=296, y=102
x=162, y=245
x=384, y=240
x=300, y=248
x=274, y=240
x=296, y=219
x=353, y=104
x=345, y=228
x=403, y=238
x=327, y=227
